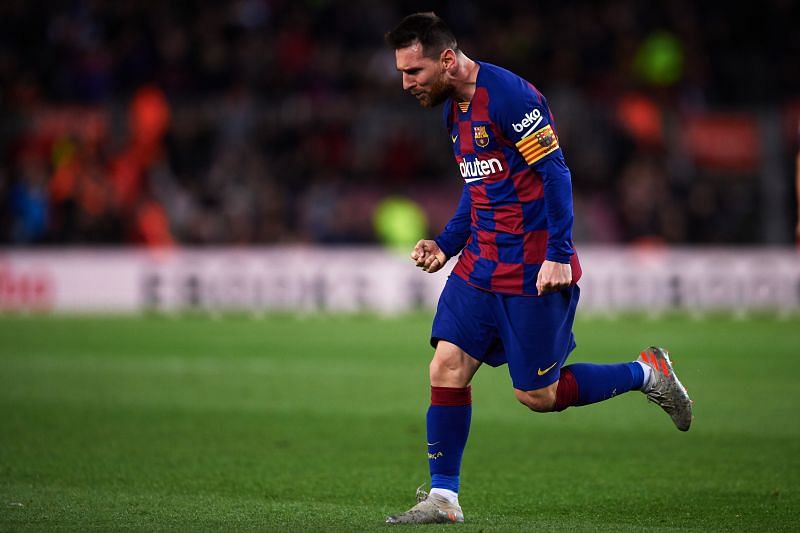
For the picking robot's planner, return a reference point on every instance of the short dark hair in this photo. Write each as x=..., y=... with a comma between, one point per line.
x=427, y=28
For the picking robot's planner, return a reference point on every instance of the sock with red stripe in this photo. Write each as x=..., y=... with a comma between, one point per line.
x=584, y=384
x=448, y=428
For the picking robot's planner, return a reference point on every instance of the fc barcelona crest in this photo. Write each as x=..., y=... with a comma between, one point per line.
x=480, y=135
x=545, y=137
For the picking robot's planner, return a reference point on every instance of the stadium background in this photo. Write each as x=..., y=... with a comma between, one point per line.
x=260, y=122
x=271, y=139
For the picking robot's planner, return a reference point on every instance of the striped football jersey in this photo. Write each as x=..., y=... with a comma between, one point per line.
x=516, y=206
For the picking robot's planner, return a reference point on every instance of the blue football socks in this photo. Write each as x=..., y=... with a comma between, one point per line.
x=448, y=428
x=601, y=382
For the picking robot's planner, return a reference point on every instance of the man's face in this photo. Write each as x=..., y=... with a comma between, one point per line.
x=424, y=77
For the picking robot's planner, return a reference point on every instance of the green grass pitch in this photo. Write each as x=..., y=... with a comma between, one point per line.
x=317, y=424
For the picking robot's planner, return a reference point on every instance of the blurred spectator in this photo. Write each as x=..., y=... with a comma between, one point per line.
x=797, y=187
x=263, y=121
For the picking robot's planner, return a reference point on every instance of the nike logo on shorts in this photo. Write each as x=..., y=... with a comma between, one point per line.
x=546, y=370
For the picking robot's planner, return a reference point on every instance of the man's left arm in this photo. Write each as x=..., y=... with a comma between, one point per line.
x=556, y=273
x=526, y=120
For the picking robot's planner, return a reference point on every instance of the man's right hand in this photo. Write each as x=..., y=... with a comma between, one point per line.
x=428, y=256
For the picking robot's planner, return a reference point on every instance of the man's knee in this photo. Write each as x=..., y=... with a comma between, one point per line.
x=451, y=366
x=446, y=371
x=539, y=400
x=441, y=367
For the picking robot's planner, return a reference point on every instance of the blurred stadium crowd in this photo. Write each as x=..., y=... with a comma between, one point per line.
x=274, y=121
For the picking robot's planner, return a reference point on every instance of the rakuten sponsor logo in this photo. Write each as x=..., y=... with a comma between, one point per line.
x=530, y=120
x=479, y=168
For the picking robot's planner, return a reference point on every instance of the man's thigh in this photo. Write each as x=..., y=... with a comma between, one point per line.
x=464, y=318
x=536, y=333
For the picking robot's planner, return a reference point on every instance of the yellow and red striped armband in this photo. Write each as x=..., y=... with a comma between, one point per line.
x=538, y=144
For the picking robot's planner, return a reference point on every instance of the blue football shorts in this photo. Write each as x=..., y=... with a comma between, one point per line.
x=533, y=334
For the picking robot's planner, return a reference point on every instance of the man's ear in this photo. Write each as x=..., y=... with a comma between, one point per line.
x=448, y=59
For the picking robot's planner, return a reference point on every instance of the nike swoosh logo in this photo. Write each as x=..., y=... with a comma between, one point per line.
x=546, y=370
x=438, y=441
x=454, y=138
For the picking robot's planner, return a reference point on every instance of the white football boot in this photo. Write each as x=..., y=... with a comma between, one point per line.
x=664, y=389
x=430, y=509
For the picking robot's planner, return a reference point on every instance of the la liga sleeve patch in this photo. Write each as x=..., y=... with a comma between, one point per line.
x=538, y=144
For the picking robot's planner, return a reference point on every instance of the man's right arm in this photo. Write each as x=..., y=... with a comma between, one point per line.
x=432, y=255
x=454, y=237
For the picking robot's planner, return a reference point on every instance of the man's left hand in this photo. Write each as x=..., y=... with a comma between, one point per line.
x=553, y=277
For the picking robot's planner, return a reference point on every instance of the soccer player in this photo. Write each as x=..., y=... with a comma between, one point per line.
x=511, y=297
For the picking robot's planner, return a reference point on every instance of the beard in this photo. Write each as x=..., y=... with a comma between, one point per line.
x=440, y=91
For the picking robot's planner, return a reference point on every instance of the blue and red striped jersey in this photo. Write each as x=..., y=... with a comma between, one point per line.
x=516, y=206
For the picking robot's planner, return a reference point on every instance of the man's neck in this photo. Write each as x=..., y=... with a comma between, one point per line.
x=465, y=78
